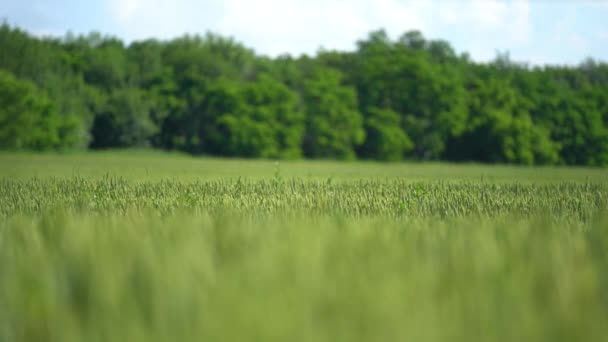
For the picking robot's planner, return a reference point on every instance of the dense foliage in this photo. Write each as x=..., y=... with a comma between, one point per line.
x=409, y=98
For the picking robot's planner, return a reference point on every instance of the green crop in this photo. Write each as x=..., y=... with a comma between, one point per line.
x=361, y=252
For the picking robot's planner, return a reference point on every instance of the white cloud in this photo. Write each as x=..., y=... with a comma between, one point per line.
x=302, y=26
x=564, y=35
x=296, y=26
x=601, y=4
x=504, y=20
x=125, y=9
x=487, y=14
x=556, y=31
x=137, y=19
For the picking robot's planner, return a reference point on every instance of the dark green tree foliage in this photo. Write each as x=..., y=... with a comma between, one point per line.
x=572, y=102
x=428, y=96
x=385, y=138
x=209, y=57
x=49, y=65
x=28, y=118
x=500, y=128
x=408, y=98
x=24, y=56
x=264, y=121
x=334, y=126
x=123, y=120
x=105, y=66
x=197, y=82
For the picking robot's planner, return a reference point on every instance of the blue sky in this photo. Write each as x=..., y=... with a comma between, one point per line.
x=536, y=31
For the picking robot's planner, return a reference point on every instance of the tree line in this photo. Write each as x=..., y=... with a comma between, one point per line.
x=389, y=99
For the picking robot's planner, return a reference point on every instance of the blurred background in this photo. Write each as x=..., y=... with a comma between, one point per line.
x=518, y=81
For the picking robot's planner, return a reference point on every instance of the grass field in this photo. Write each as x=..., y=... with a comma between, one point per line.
x=143, y=246
x=155, y=166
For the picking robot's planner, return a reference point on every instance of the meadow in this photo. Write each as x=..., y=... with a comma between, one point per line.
x=147, y=246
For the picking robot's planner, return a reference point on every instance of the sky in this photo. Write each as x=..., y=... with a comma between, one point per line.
x=533, y=31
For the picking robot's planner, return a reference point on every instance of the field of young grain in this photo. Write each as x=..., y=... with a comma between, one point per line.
x=160, y=247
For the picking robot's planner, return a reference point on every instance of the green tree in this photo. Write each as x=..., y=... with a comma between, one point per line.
x=105, y=63
x=123, y=120
x=334, y=126
x=390, y=99
x=385, y=138
x=428, y=96
x=28, y=118
x=500, y=128
x=266, y=121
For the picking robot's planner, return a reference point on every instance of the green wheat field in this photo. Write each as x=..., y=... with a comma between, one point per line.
x=149, y=246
